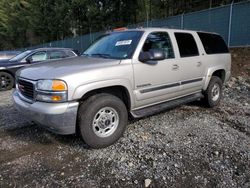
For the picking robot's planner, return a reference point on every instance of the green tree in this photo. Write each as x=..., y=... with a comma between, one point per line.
x=30, y=22
x=13, y=22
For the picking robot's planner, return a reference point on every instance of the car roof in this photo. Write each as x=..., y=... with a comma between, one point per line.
x=9, y=52
x=50, y=49
x=153, y=29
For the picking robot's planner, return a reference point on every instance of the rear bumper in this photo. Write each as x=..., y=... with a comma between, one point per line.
x=59, y=118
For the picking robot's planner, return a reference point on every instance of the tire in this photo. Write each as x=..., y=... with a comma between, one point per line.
x=102, y=120
x=6, y=81
x=213, y=94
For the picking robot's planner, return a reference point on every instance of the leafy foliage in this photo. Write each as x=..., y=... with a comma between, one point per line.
x=31, y=22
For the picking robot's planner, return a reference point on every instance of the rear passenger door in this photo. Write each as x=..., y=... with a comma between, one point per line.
x=190, y=62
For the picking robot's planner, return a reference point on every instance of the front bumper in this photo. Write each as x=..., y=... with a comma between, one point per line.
x=59, y=118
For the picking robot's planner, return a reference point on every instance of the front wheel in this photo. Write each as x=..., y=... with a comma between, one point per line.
x=213, y=93
x=6, y=81
x=102, y=120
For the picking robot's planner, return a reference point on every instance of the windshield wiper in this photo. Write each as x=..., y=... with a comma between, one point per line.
x=101, y=55
x=85, y=55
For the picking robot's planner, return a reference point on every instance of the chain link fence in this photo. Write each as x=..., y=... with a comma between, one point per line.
x=232, y=22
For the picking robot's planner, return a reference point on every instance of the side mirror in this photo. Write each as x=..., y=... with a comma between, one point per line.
x=152, y=55
x=29, y=59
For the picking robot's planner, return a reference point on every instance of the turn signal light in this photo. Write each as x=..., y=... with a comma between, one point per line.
x=59, y=85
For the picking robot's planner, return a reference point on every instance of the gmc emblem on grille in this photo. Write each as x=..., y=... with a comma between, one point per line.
x=21, y=87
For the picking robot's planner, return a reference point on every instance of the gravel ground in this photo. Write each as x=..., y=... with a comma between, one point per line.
x=189, y=146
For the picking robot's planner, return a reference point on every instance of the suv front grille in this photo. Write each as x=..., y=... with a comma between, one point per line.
x=26, y=88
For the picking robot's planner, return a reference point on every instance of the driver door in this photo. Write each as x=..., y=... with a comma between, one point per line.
x=156, y=81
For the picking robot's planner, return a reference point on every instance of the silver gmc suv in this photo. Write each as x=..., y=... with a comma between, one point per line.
x=135, y=73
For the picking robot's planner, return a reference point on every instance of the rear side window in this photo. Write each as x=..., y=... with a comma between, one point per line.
x=70, y=54
x=57, y=55
x=213, y=44
x=187, y=45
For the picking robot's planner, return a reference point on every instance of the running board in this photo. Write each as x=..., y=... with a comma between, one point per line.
x=147, y=111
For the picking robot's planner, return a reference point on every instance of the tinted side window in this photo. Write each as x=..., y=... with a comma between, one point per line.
x=161, y=41
x=213, y=44
x=187, y=45
x=39, y=56
x=57, y=55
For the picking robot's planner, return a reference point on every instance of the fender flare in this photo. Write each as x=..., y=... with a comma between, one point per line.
x=209, y=74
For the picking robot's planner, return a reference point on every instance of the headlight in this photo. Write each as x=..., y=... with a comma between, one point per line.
x=51, y=91
x=51, y=85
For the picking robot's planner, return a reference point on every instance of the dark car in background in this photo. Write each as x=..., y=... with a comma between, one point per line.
x=9, y=67
x=4, y=55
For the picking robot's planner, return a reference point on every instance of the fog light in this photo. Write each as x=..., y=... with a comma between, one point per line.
x=51, y=96
x=56, y=98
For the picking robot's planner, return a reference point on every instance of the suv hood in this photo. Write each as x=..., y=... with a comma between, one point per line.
x=64, y=67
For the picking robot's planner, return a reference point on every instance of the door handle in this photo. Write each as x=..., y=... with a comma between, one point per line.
x=175, y=67
x=198, y=64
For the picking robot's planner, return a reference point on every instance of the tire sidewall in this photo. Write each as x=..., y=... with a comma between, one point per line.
x=214, y=80
x=87, y=112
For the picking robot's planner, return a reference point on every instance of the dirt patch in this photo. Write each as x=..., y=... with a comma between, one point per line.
x=241, y=62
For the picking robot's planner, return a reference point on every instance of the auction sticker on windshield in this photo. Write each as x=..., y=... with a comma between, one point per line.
x=123, y=42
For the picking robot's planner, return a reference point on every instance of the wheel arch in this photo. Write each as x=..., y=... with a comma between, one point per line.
x=216, y=71
x=221, y=73
x=118, y=87
x=9, y=72
x=117, y=90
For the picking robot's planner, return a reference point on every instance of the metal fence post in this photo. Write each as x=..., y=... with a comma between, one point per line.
x=90, y=35
x=182, y=21
x=230, y=24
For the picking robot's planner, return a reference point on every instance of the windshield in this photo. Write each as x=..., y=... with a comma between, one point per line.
x=118, y=45
x=20, y=56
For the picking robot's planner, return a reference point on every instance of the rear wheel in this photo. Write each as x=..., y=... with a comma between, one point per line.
x=6, y=81
x=102, y=120
x=213, y=93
